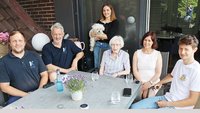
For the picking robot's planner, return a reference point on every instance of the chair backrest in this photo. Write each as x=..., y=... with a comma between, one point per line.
x=101, y=54
x=165, y=61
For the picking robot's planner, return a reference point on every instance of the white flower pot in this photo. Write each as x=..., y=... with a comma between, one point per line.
x=77, y=95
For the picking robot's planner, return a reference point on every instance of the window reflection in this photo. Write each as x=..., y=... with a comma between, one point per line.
x=175, y=16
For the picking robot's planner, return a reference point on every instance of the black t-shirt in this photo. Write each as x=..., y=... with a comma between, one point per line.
x=22, y=73
x=111, y=29
x=61, y=57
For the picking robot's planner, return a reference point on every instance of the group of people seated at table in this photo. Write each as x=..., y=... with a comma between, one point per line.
x=23, y=71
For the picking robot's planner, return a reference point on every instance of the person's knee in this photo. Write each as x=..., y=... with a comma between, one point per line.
x=137, y=105
x=134, y=106
x=148, y=103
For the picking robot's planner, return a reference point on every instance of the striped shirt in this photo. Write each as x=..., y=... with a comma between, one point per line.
x=111, y=65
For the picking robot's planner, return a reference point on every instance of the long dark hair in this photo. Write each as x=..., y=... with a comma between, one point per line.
x=113, y=16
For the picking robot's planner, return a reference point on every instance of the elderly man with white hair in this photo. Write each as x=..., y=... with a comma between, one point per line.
x=115, y=62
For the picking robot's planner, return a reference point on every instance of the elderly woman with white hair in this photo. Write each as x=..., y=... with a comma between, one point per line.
x=115, y=62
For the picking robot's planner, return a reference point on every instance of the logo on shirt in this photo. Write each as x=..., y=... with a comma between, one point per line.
x=182, y=77
x=64, y=49
x=31, y=63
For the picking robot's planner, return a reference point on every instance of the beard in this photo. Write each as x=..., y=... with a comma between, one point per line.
x=18, y=51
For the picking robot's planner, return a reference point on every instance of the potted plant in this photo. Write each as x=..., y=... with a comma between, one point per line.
x=4, y=36
x=76, y=84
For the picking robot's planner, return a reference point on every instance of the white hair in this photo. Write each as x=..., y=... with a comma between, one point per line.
x=117, y=38
x=57, y=25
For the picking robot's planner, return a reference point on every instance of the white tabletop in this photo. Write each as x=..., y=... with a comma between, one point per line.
x=96, y=95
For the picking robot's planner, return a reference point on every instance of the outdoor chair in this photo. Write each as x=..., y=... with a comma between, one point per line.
x=165, y=59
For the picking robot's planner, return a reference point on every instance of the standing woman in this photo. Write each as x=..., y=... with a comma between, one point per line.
x=111, y=24
x=147, y=64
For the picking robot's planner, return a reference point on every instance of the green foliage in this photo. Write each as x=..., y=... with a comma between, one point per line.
x=183, y=4
x=75, y=83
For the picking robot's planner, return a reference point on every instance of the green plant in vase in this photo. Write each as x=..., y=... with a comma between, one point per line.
x=76, y=84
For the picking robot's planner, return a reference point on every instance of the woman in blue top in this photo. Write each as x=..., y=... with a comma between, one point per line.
x=111, y=24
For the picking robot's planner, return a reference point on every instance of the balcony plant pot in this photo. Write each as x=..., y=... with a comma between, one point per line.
x=77, y=95
x=3, y=49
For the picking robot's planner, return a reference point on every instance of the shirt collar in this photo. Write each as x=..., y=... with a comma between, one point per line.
x=120, y=52
x=13, y=56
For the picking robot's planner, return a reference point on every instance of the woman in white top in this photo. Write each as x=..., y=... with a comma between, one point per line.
x=115, y=62
x=147, y=64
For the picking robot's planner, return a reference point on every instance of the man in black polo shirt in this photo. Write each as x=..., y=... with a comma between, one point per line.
x=60, y=53
x=21, y=71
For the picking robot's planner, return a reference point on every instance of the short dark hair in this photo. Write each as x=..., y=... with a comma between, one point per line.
x=153, y=38
x=15, y=32
x=189, y=40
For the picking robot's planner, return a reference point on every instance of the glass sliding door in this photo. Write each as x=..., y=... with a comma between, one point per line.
x=127, y=12
x=78, y=16
x=173, y=18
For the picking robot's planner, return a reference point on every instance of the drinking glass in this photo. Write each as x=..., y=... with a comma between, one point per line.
x=52, y=76
x=129, y=78
x=115, y=97
x=95, y=76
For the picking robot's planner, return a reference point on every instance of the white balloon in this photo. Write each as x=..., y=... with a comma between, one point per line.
x=131, y=19
x=39, y=40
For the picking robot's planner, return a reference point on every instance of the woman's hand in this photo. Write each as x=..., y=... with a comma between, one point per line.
x=115, y=75
x=146, y=86
x=97, y=37
x=101, y=37
x=158, y=85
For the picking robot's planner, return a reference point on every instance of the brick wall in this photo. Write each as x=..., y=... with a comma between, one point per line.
x=41, y=11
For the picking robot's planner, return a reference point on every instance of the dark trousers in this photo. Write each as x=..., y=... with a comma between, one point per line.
x=12, y=99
